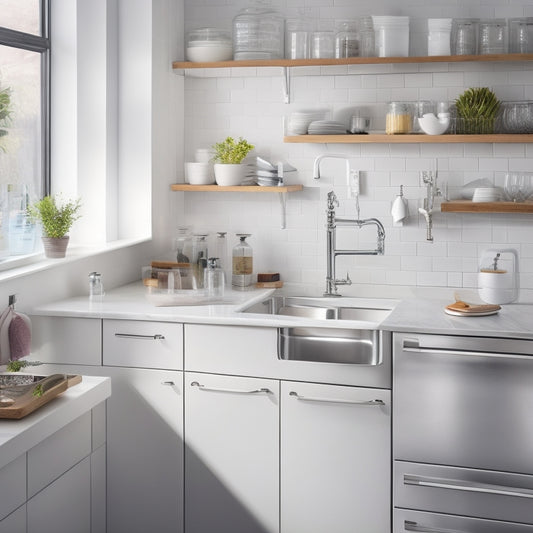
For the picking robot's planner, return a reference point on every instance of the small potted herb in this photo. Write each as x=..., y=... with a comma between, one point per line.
x=228, y=158
x=56, y=219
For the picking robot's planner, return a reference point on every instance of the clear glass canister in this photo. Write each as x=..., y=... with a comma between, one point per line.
x=346, y=38
x=183, y=244
x=242, y=262
x=464, y=37
x=399, y=118
x=258, y=33
x=298, y=38
x=492, y=36
x=214, y=278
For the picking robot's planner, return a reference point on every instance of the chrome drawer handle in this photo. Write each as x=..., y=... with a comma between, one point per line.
x=156, y=337
x=335, y=400
x=234, y=391
x=467, y=486
x=412, y=346
x=168, y=383
x=413, y=526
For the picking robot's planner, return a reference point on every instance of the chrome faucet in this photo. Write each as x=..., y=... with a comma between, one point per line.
x=316, y=165
x=332, y=252
x=430, y=181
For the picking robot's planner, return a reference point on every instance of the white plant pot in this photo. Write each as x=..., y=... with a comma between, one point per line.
x=227, y=174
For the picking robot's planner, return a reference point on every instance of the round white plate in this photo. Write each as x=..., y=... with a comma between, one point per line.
x=472, y=313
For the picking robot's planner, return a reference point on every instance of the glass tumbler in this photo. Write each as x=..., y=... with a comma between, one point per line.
x=323, y=45
x=297, y=38
x=464, y=37
x=521, y=35
x=517, y=186
x=492, y=36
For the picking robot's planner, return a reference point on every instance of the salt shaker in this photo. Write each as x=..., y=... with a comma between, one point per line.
x=96, y=287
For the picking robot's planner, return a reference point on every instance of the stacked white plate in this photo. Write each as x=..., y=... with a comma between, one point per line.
x=266, y=174
x=487, y=194
x=298, y=122
x=326, y=127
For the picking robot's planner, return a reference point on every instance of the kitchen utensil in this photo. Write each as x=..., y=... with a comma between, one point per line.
x=359, y=124
x=498, y=277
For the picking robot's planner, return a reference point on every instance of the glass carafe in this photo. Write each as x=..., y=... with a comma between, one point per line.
x=214, y=279
x=242, y=262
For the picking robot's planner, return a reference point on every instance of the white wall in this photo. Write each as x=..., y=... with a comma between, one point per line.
x=248, y=103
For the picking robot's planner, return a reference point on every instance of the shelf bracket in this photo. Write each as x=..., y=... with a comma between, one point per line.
x=286, y=85
x=283, y=205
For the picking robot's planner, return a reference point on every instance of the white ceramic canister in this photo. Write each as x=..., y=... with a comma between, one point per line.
x=439, y=32
x=498, y=277
x=392, y=36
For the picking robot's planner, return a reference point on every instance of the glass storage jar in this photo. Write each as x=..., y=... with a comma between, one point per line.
x=242, y=262
x=346, y=38
x=399, y=118
x=258, y=33
x=464, y=37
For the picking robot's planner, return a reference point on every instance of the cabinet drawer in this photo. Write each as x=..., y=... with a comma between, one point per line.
x=464, y=491
x=71, y=341
x=141, y=344
x=12, y=486
x=52, y=457
x=407, y=521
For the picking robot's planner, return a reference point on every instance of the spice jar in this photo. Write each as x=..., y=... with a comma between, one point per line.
x=399, y=118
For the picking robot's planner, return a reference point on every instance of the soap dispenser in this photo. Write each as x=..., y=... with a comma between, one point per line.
x=498, y=277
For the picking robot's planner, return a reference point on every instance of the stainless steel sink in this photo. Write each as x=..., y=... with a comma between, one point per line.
x=317, y=308
x=353, y=345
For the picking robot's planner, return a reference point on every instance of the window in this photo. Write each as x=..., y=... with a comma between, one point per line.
x=24, y=123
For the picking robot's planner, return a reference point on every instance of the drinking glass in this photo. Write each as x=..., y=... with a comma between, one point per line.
x=518, y=186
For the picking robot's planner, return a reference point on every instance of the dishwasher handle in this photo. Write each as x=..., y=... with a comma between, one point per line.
x=335, y=400
x=413, y=346
x=408, y=525
x=201, y=387
x=467, y=486
x=156, y=337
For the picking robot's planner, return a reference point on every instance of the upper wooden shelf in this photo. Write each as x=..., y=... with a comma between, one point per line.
x=350, y=61
x=409, y=138
x=466, y=206
x=238, y=188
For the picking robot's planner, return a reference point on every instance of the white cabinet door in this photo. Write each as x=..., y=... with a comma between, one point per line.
x=335, y=459
x=65, y=505
x=15, y=522
x=231, y=454
x=145, y=451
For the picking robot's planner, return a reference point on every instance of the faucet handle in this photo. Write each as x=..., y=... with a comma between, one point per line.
x=332, y=200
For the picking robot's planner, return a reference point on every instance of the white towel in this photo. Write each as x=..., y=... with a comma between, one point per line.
x=399, y=210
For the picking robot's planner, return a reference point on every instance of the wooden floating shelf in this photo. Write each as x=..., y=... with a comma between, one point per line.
x=409, y=138
x=187, y=65
x=238, y=188
x=466, y=206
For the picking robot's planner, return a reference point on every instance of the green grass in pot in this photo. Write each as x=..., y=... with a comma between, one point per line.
x=230, y=151
x=478, y=108
x=56, y=218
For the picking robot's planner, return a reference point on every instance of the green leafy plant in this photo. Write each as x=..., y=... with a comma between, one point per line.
x=230, y=151
x=17, y=366
x=477, y=110
x=56, y=217
x=38, y=390
x=5, y=112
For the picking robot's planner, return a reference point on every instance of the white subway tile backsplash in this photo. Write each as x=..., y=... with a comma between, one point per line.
x=248, y=102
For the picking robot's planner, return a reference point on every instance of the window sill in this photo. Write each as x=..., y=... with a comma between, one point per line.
x=31, y=264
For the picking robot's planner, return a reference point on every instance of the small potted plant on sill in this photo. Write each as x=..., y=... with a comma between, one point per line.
x=56, y=219
x=228, y=158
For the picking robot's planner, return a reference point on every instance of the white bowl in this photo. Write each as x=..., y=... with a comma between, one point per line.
x=431, y=125
x=199, y=173
x=208, y=52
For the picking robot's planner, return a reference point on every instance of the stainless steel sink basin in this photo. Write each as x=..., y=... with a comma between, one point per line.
x=317, y=308
x=352, y=345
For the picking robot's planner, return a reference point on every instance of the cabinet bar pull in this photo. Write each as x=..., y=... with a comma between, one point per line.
x=411, y=345
x=413, y=526
x=235, y=391
x=168, y=383
x=156, y=337
x=467, y=486
x=335, y=400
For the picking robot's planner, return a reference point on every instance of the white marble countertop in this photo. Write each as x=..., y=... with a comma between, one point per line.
x=19, y=436
x=419, y=314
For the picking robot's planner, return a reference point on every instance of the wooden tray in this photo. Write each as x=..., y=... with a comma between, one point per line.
x=25, y=400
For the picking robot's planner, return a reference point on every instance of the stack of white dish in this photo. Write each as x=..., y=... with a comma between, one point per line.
x=209, y=44
x=267, y=174
x=487, y=194
x=326, y=127
x=298, y=122
x=200, y=171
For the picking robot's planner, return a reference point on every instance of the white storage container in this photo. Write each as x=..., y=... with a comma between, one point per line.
x=392, y=36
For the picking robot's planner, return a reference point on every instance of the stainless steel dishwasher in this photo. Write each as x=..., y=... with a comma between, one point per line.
x=462, y=434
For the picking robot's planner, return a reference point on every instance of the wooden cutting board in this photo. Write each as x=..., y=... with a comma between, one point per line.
x=472, y=309
x=28, y=398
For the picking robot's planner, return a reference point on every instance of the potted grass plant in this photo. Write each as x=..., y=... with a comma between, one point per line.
x=228, y=158
x=56, y=218
x=477, y=110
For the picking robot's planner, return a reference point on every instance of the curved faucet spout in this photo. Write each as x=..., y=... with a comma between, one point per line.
x=316, y=164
